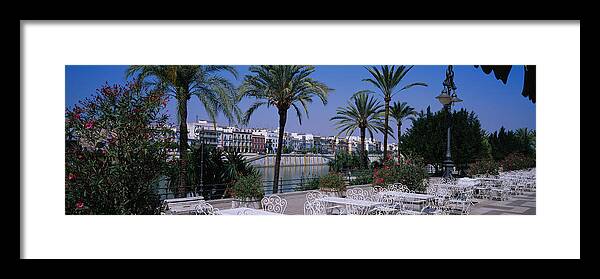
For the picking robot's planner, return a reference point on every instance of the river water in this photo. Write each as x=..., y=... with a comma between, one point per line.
x=292, y=176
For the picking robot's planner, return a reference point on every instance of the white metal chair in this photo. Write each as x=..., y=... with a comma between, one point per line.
x=404, y=210
x=357, y=210
x=389, y=207
x=376, y=193
x=431, y=189
x=357, y=194
x=442, y=195
x=501, y=192
x=431, y=208
x=274, y=203
x=394, y=187
x=206, y=209
x=311, y=197
x=246, y=212
x=398, y=187
x=314, y=207
x=462, y=203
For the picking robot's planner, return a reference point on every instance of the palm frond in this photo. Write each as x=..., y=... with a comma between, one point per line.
x=285, y=87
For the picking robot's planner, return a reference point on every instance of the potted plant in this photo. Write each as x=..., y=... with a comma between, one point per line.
x=332, y=185
x=247, y=191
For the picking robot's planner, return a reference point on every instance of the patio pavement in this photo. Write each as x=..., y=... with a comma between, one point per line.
x=515, y=205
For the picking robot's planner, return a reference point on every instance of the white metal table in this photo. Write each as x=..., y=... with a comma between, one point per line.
x=352, y=206
x=468, y=181
x=456, y=188
x=406, y=195
x=412, y=198
x=182, y=206
x=483, y=179
x=246, y=211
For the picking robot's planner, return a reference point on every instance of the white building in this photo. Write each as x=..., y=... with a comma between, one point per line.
x=271, y=137
x=371, y=145
x=242, y=140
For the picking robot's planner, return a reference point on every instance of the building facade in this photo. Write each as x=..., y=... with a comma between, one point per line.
x=258, y=143
x=265, y=141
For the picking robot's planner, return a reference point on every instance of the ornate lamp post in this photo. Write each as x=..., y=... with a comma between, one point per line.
x=447, y=98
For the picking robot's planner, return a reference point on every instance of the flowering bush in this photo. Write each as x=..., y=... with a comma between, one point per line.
x=410, y=173
x=517, y=161
x=385, y=175
x=488, y=167
x=116, y=150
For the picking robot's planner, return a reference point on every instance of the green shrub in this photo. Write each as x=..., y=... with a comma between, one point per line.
x=488, y=167
x=344, y=161
x=248, y=187
x=312, y=184
x=363, y=177
x=333, y=181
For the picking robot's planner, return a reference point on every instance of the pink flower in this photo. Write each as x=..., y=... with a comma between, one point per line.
x=77, y=116
x=79, y=204
x=71, y=176
x=89, y=124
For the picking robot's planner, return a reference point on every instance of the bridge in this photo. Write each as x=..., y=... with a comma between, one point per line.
x=268, y=160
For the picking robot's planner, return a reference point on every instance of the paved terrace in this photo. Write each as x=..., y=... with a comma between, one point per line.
x=515, y=205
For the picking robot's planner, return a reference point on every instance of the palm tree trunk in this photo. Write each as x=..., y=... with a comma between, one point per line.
x=183, y=145
x=363, y=152
x=399, y=133
x=282, y=120
x=385, y=135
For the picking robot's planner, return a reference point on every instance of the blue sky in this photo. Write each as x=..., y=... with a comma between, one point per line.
x=495, y=103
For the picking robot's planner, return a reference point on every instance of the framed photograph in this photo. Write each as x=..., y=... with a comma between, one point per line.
x=309, y=135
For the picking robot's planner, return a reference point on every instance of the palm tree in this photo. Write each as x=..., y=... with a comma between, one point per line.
x=400, y=112
x=283, y=87
x=182, y=82
x=386, y=81
x=363, y=112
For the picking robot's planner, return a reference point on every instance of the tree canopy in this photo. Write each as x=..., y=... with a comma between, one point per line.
x=427, y=137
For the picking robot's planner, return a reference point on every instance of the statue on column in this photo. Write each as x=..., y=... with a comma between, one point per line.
x=449, y=81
